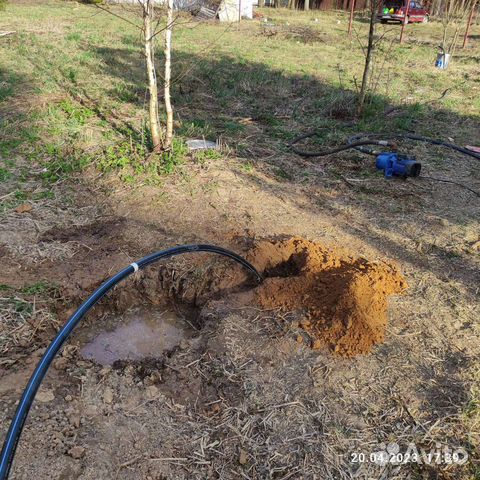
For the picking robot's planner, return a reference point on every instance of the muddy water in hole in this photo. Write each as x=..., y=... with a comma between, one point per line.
x=138, y=334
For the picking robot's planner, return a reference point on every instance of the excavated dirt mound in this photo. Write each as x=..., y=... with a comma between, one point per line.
x=344, y=298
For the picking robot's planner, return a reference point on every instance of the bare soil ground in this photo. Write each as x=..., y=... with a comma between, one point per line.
x=246, y=395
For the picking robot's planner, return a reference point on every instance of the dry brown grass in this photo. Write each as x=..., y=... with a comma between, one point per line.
x=21, y=322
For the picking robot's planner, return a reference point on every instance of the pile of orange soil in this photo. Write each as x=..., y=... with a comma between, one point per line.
x=344, y=298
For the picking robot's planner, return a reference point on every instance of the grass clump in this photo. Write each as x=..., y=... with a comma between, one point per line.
x=39, y=288
x=62, y=161
x=173, y=158
x=22, y=320
x=75, y=112
x=123, y=156
x=204, y=156
x=131, y=160
x=4, y=174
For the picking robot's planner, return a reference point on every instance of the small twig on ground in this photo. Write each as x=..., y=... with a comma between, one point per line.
x=130, y=462
x=169, y=459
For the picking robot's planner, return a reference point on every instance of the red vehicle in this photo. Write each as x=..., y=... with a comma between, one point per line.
x=394, y=11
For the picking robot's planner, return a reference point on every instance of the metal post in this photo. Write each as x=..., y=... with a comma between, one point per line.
x=350, y=22
x=469, y=24
x=405, y=19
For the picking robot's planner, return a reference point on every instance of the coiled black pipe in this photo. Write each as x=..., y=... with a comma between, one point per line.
x=353, y=141
x=348, y=146
x=357, y=143
x=16, y=427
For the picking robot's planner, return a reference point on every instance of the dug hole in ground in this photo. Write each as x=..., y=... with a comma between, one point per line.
x=190, y=368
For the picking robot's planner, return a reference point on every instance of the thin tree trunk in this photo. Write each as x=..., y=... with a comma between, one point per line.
x=261, y=3
x=444, y=36
x=306, y=5
x=459, y=18
x=469, y=23
x=168, y=70
x=368, y=60
x=155, y=130
x=350, y=20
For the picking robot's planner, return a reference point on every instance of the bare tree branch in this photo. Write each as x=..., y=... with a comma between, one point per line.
x=118, y=16
x=167, y=26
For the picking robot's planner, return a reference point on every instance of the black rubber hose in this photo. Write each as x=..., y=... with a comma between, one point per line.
x=333, y=150
x=16, y=427
x=353, y=141
x=357, y=143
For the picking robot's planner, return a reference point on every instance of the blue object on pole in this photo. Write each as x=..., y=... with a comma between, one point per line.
x=395, y=164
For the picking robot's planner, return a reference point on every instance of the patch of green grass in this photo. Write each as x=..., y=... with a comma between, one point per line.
x=410, y=117
x=77, y=113
x=175, y=157
x=473, y=406
x=130, y=40
x=8, y=146
x=38, y=288
x=204, y=156
x=196, y=128
x=130, y=160
x=247, y=167
x=4, y=174
x=282, y=133
x=73, y=37
x=61, y=161
x=232, y=127
x=125, y=92
x=122, y=156
x=22, y=306
x=9, y=162
x=7, y=84
x=19, y=195
x=70, y=74
x=5, y=91
x=268, y=119
x=44, y=195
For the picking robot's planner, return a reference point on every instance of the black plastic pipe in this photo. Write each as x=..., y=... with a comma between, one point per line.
x=16, y=427
x=360, y=141
x=352, y=141
x=330, y=151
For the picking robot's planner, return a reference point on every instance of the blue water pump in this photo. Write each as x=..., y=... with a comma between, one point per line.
x=396, y=164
